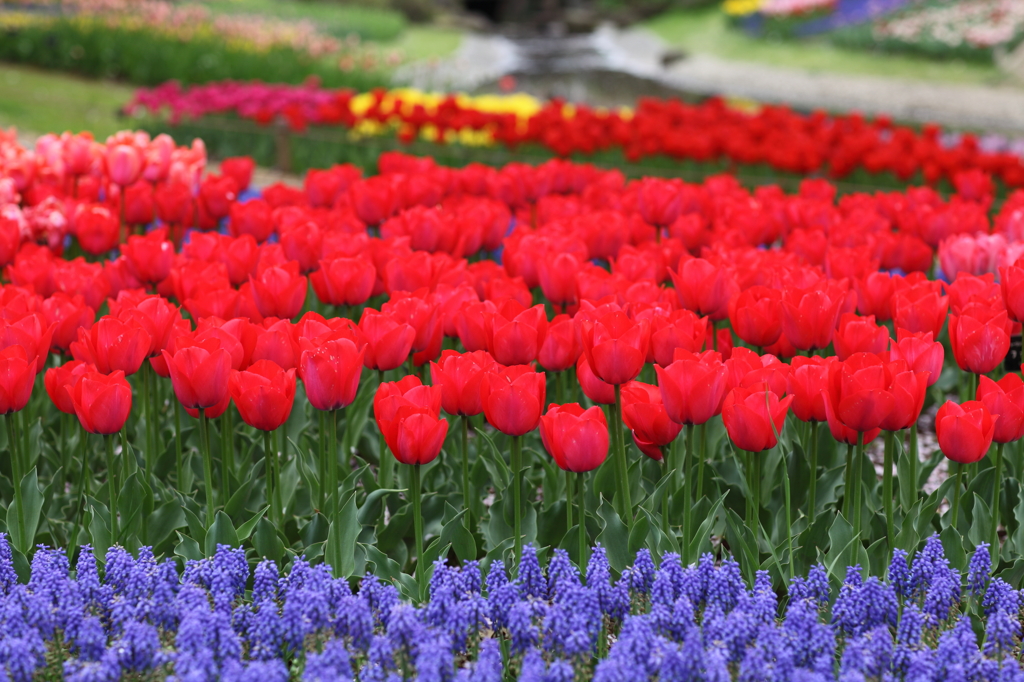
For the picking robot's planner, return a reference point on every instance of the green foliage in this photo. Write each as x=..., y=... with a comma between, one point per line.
x=366, y=20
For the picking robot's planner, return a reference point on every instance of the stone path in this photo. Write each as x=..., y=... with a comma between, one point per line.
x=641, y=54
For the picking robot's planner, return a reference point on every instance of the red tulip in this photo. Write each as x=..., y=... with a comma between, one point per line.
x=124, y=164
x=32, y=333
x=264, y=394
x=808, y=378
x=809, y=316
x=471, y=323
x=1005, y=400
x=920, y=308
x=920, y=352
x=980, y=338
x=964, y=431
x=908, y=388
x=598, y=391
x=102, y=401
x=199, y=374
x=407, y=414
x=388, y=342
x=407, y=392
x=460, y=377
x=874, y=295
x=680, y=329
x=252, y=218
x=173, y=203
x=138, y=203
x=113, y=345
x=97, y=229
x=67, y=314
x=17, y=377
x=239, y=168
x=859, y=335
x=301, y=243
x=331, y=372
x=576, y=439
x=660, y=201
x=756, y=315
x=858, y=392
x=1011, y=283
x=513, y=399
x=747, y=368
x=276, y=343
x=693, y=387
x=279, y=291
x=968, y=289
x=59, y=381
x=217, y=195
x=615, y=346
x=514, y=334
x=419, y=311
x=159, y=317
x=704, y=288
x=150, y=257
x=645, y=415
x=557, y=274
x=561, y=348
x=344, y=281
x=753, y=416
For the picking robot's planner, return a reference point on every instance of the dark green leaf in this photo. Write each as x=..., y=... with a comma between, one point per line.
x=246, y=529
x=701, y=540
x=222, y=532
x=495, y=464
x=188, y=548
x=165, y=519
x=458, y=536
x=842, y=547
x=22, y=522
x=196, y=528
x=953, y=546
x=614, y=536
x=341, y=539
x=372, y=507
x=268, y=544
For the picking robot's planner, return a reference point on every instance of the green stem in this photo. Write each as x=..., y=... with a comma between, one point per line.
x=386, y=465
x=582, y=506
x=417, y=516
x=687, y=491
x=227, y=452
x=702, y=455
x=18, y=473
x=204, y=436
x=748, y=469
x=789, y=521
x=956, y=495
x=465, y=464
x=517, y=490
x=147, y=417
x=269, y=455
x=858, y=481
x=666, y=472
x=332, y=463
x=994, y=536
x=887, y=489
x=626, y=506
x=111, y=487
x=848, y=484
x=568, y=500
x=757, y=492
x=914, y=463
x=322, y=417
x=812, y=492
x=179, y=465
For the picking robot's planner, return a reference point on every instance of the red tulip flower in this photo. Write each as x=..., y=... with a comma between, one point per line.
x=1011, y=283
x=1004, y=400
x=17, y=377
x=139, y=207
x=388, y=342
x=576, y=439
x=67, y=314
x=908, y=388
x=331, y=372
x=645, y=415
x=598, y=391
x=59, y=381
x=920, y=308
x=615, y=346
x=859, y=335
x=159, y=317
x=809, y=316
x=808, y=379
x=253, y=218
x=124, y=164
x=704, y=288
x=279, y=291
x=680, y=329
x=874, y=295
x=660, y=201
x=753, y=416
x=276, y=343
x=173, y=203
x=113, y=345
x=858, y=392
x=97, y=229
x=344, y=281
x=239, y=168
x=414, y=437
x=561, y=348
x=920, y=352
x=756, y=315
x=460, y=377
x=965, y=432
x=264, y=394
x=513, y=398
x=980, y=338
x=149, y=257
x=557, y=274
x=199, y=374
x=514, y=334
x=693, y=387
x=102, y=401
x=301, y=243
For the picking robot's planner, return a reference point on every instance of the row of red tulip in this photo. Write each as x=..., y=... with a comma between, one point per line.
x=244, y=348
x=773, y=135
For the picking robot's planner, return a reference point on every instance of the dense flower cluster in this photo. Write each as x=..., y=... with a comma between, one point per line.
x=981, y=24
x=774, y=135
x=220, y=620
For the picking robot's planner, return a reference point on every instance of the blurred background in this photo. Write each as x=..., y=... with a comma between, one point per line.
x=75, y=64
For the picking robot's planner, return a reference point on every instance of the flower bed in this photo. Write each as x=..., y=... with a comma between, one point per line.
x=684, y=368
x=711, y=135
x=139, y=618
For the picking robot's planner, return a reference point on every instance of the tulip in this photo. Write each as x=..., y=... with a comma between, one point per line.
x=113, y=345
x=97, y=229
x=199, y=374
x=561, y=348
x=980, y=338
x=681, y=329
x=301, y=243
x=102, y=403
x=615, y=346
x=276, y=342
x=513, y=398
x=173, y=204
x=965, y=433
x=514, y=334
x=239, y=168
x=58, y=382
x=1005, y=401
x=138, y=204
x=67, y=314
x=388, y=341
x=693, y=387
x=253, y=218
x=753, y=418
x=756, y=316
x=344, y=281
x=217, y=196
x=874, y=295
x=279, y=291
x=17, y=376
x=704, y=288
x=645, y=416
x=660, y=201
x=124, y=164
x=577, y=440
x=1011, y=284
x=920, y=308
x=859, y=335
x=920, y=352
x=149, y=257
x=809, y=316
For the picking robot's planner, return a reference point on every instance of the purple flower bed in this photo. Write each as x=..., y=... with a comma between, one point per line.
x=139, y=619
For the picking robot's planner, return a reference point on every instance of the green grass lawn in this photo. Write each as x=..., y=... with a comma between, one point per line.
x=707, y=31
x=338, y=19
x=44, y=101
x=426, y=42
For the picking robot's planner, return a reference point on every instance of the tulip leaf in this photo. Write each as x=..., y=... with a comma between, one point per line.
x=246, y=529
x=743, y=544
x=355, y=419
x=908, y=538
x=638, y=535
x=222, y=532
x=236, y=504
x=396, y=529
x=129, y=503
x=571, y=544
x=908, y=489
x=341, y=539
x=23, y=521
x=496, y=465
x=316, y=530
x=981, y=522
x=614, y=536
x=701, y=540
x=1018, y=535
x=165, y=519
x=383, y=566
x=458, y=536
x=99, y=529
x=196, y=528
x=289, y=483
x=603, y=480
x=495, y=530
x=266, y=541
x=188, y=548
x=373, y=505
x=842, y=547
x=953, y=546
x=306, y=473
